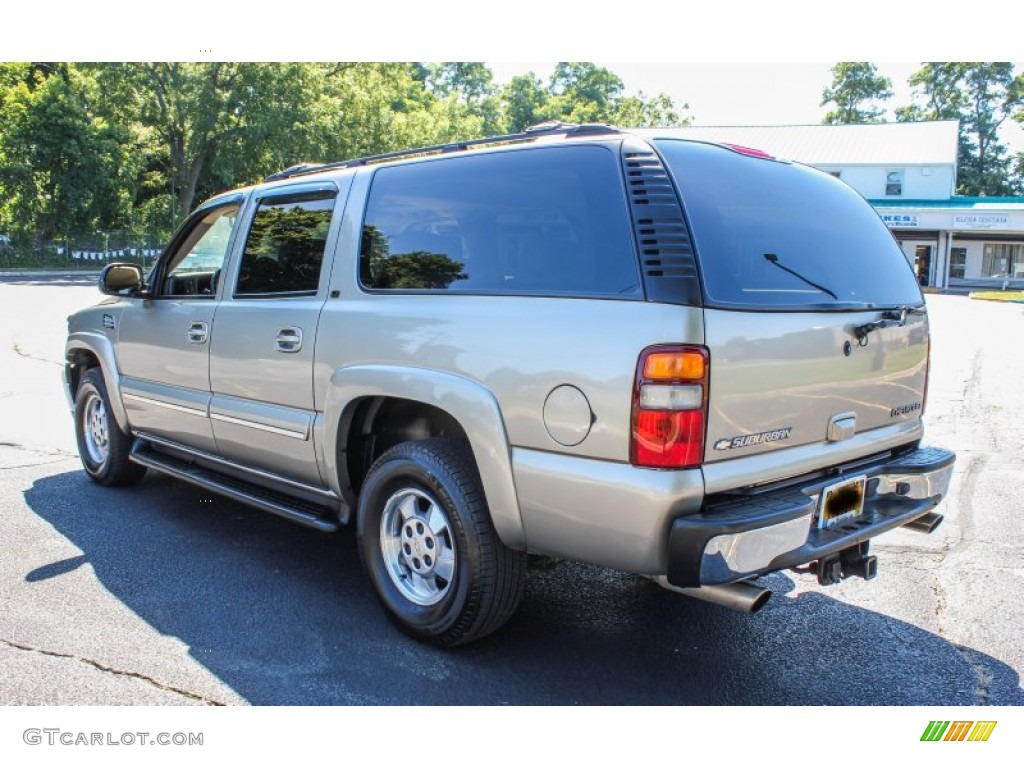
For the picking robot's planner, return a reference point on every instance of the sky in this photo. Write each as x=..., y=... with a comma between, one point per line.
x=745, y=93
x=730, y=93
x=746, y=62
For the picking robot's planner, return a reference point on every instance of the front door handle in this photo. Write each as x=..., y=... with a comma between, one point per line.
x=289, y=339
x=198, y=332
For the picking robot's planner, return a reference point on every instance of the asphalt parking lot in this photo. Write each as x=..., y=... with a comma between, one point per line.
x=164, y=594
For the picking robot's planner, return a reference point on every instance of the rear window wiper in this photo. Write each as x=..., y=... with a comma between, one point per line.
x=891, y=318
x=773, y=259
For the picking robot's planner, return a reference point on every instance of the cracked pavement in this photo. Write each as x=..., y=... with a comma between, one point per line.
x=164, y=594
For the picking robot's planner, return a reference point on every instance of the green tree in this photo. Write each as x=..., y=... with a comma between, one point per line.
x=470, y=80
x=1018, y=115
x=62, y=168
x=525, y=100
x=582, y=92
x=856, y=86
x=472, y=84
x=372, y=108
x=938, y=85
x=105, y=145
x=640, y=111
x=981, y=95
x=191, y=109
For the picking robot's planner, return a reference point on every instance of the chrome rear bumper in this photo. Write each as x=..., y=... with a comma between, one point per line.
x=760, y=533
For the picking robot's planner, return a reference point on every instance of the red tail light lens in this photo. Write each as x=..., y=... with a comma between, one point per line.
x=670, y=407
x=668, y=440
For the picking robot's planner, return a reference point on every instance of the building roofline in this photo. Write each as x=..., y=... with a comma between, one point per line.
x=804, y=125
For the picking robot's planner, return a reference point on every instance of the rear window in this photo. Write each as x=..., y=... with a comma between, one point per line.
x=549, y=221
x=781, y=235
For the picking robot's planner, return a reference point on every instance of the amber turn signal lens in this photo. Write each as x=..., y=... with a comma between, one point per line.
x=674, y=366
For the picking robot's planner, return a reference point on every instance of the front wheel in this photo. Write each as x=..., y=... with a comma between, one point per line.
x=104, y=448
x=430, y=548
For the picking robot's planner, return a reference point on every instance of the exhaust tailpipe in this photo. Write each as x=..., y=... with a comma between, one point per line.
x=739, y=596
x=926, y=523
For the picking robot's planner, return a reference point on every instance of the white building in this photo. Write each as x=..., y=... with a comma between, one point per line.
x=907, y=171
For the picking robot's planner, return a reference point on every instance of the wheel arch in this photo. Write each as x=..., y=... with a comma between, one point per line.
x=414, y=403
x=85, y=350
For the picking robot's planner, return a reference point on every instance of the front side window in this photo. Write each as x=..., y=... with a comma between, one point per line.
x=195, y=266
x=550, y=221
x=284, y=250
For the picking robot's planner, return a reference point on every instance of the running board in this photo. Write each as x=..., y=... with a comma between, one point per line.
x=296, y=510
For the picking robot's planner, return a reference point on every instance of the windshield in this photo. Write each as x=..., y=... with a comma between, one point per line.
x=749, y=216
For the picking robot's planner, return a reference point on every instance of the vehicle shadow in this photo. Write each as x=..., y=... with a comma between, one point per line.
x=284, y=615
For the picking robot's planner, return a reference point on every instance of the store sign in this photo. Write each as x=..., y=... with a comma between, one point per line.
x=981, y=221
x=900, y=220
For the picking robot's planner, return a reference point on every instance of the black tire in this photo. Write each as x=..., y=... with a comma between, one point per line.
x=475, y=583
x=103, y=447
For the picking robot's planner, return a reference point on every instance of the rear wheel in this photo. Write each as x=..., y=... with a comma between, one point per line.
x=430, y=548
x=104, y=448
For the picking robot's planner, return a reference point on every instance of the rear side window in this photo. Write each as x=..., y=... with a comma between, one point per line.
x=757, y=222
x=549, y=221
x=285, y=247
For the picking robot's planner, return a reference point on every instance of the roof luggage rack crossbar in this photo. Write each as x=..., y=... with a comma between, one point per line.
x=550, y=128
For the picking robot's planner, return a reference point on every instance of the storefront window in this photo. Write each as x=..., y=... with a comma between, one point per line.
x=957, y=262
x=1003, y=260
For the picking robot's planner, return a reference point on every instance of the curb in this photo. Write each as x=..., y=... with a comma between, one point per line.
x=50, y=273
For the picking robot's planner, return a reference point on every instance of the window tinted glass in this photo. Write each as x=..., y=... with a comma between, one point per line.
x=544, y=221
x=285, y=247
x=742, y=208
x=195, y=267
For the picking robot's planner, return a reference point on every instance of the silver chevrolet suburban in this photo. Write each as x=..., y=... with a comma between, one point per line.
x=689, y=361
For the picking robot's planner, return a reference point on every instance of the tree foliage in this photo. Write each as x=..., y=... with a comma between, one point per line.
x=61, y=164
x=981, y=95
x=525, y=98
x=582, y=92
x=89, y=147
x=856, y=87
x=641, y=111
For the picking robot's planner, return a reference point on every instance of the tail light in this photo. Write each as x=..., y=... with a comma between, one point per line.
x=670, y=399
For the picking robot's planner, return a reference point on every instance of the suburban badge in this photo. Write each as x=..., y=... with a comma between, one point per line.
x=743, y=441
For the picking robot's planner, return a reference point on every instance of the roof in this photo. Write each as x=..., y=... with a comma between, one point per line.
x=986, y=203
x=533, y=133
x=925, y=143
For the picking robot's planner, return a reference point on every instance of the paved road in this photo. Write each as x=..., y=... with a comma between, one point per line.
x=164, y=594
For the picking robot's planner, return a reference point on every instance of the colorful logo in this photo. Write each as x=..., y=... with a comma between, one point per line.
x=958, y=730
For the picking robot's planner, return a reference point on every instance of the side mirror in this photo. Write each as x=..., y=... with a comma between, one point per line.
x=117, y=277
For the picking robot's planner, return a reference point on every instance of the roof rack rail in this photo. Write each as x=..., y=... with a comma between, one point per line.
x=550, y=128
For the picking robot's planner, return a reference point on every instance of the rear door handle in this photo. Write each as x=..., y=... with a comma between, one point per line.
x=197, y=332
x=289, y=339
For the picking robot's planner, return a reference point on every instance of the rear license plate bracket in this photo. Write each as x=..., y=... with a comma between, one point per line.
x=841, y=501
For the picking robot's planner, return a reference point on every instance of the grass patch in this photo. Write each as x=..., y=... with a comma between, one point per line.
x=998, y=295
